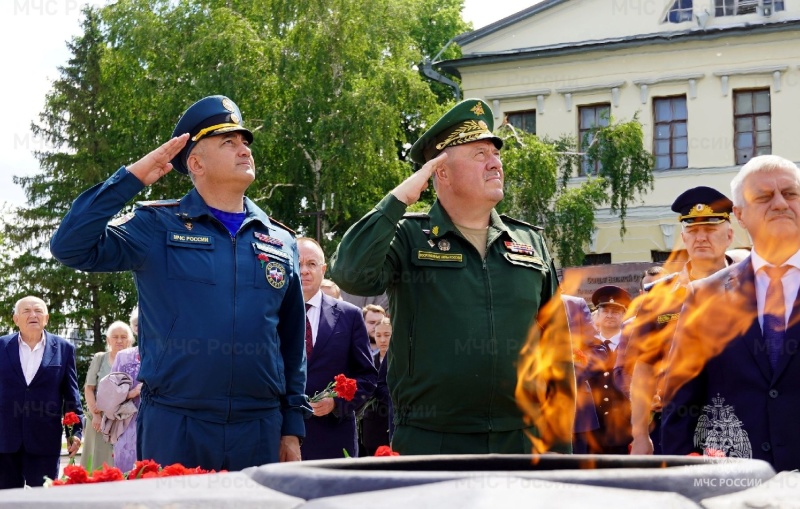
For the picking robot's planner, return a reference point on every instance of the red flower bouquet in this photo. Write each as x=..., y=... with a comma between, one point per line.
x=341, y=387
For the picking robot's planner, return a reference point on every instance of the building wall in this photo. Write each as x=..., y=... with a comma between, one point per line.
x=604, y=76
x=596, y=20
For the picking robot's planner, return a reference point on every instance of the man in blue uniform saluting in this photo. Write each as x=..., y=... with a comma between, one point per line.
x=222, y=315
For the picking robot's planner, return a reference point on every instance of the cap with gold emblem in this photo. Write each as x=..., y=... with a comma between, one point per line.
x=209, y=116
x=702, y=205
x=611, y=295
x=468, y=121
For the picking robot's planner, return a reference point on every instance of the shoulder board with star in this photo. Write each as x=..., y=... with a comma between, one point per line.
x=159, y=203
x=508, y=219
x=416, y=215
x=278, y=223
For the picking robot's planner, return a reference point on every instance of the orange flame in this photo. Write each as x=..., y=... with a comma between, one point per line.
x=546, y=380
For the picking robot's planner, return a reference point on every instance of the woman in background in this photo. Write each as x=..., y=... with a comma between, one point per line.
x=128, y=362
x=96, y=450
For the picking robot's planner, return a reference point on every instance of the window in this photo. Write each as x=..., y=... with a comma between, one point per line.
x=523, y=120
x=590, y=117
x=680, y=256
x=670, y=139
x=752, y=124
x=738, y=7
x=597, y=259
x=680, y=11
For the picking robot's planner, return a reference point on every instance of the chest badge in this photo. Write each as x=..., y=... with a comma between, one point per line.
x=444, y=245
x=519, y=248
x=188, y=225
x=268, y=240
x=276, y=274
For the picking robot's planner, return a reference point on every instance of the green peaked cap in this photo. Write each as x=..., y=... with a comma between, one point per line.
x=468, y=121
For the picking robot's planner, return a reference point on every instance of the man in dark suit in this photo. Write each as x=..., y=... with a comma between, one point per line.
x=705, y=215
x=613, y=407
x=38, y=385
x=733, y=379
x=336, y=343
x=581, y=330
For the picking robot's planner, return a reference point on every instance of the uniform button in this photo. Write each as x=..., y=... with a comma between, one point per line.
x=605, y=413
x=605, y=387
x=605, y=399
x=605, y=374
x=773, y=393
x=766, y=447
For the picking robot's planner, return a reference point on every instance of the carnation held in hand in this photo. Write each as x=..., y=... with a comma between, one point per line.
x=341, y=387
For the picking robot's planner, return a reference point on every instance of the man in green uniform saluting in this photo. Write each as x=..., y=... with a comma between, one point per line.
x=467, y=290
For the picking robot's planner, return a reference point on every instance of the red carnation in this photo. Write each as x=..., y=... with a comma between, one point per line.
x=345, y=387
x=141, y=468
x=77, y=475
x=70, y=419
x=385, y=450
x=263, y=258
x=174, y=469
x=341, y=387
x=108, y=474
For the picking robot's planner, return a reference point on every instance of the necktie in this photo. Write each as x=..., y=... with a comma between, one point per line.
x=774, y=313
x=309, y=335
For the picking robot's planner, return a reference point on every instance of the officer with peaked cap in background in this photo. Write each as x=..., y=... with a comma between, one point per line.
x=704, y=214
x=465, y=285
x=613, y=409
x=223, y=321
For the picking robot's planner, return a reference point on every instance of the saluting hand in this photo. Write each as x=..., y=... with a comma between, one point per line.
x=156, y=164
x=411, y=188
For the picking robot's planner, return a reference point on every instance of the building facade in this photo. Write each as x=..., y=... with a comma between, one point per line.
x=713, y=82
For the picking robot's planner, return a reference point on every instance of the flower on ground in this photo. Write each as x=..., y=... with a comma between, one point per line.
x=385, y=450
x=140, y=468
x=145, y=469
x=108, y=474
x=341, y=387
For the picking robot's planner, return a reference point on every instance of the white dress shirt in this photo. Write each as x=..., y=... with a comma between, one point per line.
x=313, y=314
x=790, y=280
x=614, y=340
x=30, y=359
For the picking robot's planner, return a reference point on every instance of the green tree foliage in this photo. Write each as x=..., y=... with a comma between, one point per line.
x=74, y=124
x=540, y=189
x=329, y=89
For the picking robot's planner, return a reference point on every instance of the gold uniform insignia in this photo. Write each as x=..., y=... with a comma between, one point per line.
x=435, y=230
x=669, y=317
x=477, y=109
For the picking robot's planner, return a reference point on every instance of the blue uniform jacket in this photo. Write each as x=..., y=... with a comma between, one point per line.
x=30, y=415
x=221, y=331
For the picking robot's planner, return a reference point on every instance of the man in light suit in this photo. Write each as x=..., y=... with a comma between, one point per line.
x=38, y=385
x=733, y=379
x=336, y=343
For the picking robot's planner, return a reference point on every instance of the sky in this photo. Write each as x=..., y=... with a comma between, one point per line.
x=33, y=35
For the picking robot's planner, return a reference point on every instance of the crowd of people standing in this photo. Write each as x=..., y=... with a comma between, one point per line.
x=239, y=332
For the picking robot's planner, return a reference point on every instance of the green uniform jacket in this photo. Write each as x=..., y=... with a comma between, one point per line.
x=459, y=321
